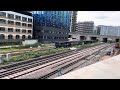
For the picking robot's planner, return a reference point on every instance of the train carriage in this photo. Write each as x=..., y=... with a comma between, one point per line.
x=71, y=43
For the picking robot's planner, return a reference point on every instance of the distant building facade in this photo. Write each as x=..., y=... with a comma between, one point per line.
x=108, y=30
x=85, y=27
x=51, y=26
x=15, y=26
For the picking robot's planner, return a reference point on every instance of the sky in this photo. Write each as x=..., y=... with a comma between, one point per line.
x=100, y=17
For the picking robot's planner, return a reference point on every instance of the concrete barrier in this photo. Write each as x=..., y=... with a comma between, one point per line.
x=29, y=42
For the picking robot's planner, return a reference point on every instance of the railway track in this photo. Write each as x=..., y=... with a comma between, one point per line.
x=29, y=65
x=41, y=58
x=70, y=67
x=34, y=59
x=52, y=64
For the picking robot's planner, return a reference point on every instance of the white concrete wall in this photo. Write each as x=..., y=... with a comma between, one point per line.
x=29, y=42
x=76, y=36
x=88, y=38
x=19, y=14
x=14, y=33
x=100, y=39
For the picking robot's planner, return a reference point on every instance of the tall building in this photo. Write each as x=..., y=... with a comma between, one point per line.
x=51, y=26
x=85, y=27
x=73, y=21
x=108, y=30
x=15, y=26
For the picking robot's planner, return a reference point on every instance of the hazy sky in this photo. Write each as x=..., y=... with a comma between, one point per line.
x=100, y=17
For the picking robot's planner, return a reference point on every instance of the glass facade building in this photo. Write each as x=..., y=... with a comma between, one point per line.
x=57, y=19
x=108, y=30
x=51, y=21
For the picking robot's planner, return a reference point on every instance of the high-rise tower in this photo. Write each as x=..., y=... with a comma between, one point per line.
x=51, y=26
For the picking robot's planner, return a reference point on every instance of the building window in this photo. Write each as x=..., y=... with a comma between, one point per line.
x=50, y=31
x=10, y=16
x=24, y=24
x=41, y=37
x=46, y=31
x=29, y=20
x=2, y=36
x=29, y=37
x=18, y=23
x=3, y=14
x=10, y=29
x=24, y=19
x=54, y=37
x=45, y=37
x=2, y=28
x=18, y=17
x=2, y=21
x=65, y=37
x=23, y=31
x=48, y=37
x=10, y=36
x=17, y=30
x=29, y=25
x=17, y=37
x=23, y=37
x=29, y=31
x=10, y=22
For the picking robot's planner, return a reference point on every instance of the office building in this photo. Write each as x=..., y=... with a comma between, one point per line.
x=85, y=27
x=108, y=30
x=15, y=26
x=51, y=26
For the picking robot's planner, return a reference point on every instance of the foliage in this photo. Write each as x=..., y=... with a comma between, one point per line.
x=35, y=54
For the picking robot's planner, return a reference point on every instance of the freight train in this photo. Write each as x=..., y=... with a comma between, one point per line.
x=71, y=43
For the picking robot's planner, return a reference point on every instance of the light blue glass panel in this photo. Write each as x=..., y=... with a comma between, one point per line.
x=48, y=18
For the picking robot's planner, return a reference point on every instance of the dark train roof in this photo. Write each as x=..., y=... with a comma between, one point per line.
x=74, y=41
